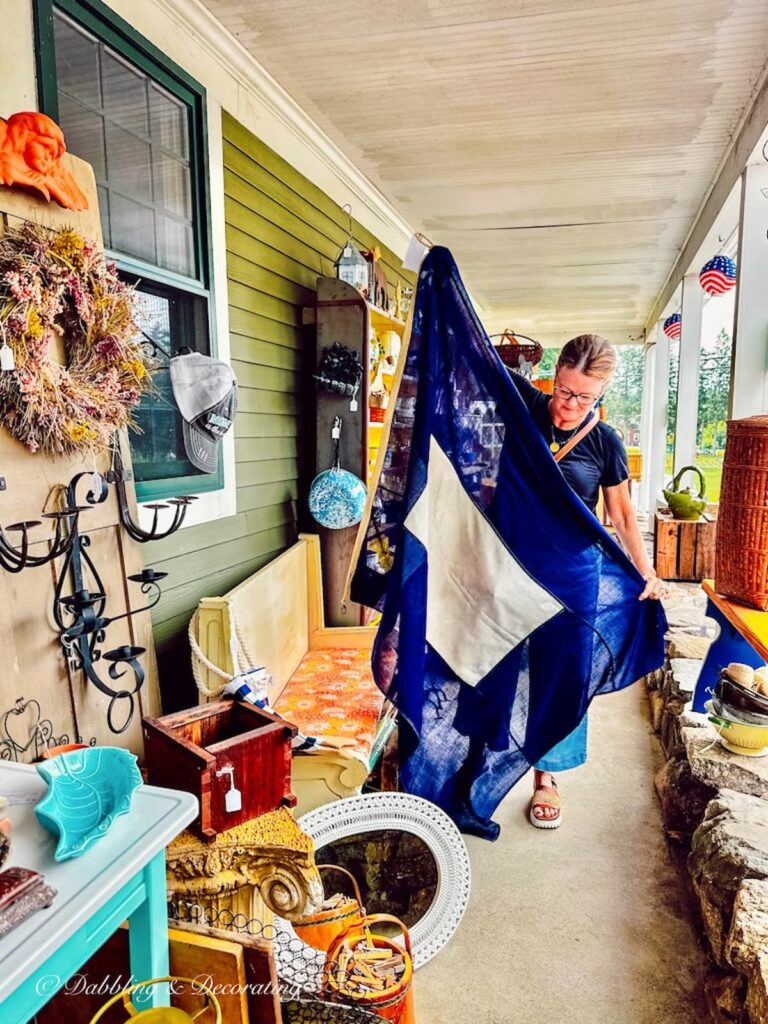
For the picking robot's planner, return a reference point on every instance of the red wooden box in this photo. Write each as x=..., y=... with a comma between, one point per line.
x=186, y=750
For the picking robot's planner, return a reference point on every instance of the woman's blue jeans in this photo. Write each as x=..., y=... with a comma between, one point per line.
x=568, y=753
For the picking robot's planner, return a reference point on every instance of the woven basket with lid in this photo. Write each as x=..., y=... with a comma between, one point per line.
x=741, y=551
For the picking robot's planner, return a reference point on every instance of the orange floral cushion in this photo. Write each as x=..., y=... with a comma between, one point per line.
x=332, y=693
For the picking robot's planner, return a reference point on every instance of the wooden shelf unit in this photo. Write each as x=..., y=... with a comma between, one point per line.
x=343, y=315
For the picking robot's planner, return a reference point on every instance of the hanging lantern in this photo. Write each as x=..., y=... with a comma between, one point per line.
x=673, y=326
x=718, y=275
x=352, y=267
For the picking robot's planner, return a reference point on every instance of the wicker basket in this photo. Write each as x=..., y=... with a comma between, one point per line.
x=741, y=549
x=510, y=349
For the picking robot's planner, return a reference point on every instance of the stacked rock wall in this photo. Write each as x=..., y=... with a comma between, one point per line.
x=714, y=805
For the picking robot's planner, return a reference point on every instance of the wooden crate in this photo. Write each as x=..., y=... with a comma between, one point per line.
x=186, y=750
x=684, y=550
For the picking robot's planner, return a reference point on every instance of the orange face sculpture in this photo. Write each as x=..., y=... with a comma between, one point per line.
x=31, y=147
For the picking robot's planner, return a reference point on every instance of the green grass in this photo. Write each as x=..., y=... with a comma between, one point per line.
x=712, y=468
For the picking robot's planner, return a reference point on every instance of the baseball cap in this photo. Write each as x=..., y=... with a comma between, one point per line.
x=205, y=391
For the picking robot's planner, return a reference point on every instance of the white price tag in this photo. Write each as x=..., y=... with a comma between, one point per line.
x=7, y=362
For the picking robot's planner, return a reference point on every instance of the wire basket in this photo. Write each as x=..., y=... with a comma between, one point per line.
x=339, y=371
x=741, y=546
x=302, y=975
x=510, y=349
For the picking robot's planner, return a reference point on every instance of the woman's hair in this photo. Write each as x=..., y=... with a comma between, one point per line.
x=590, y=354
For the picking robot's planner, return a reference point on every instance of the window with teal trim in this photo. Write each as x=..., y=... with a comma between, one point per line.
x=140, y=122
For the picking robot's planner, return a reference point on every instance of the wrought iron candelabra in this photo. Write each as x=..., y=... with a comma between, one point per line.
x=15, y=557
x=118, y=475
x=81, y=615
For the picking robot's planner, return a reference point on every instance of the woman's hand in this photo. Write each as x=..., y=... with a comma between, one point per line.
x=655, y=588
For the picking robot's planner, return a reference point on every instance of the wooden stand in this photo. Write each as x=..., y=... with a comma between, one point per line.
x=188, y=751
x=684, y=549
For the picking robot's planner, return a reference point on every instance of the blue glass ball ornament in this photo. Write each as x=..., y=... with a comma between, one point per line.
x=337, y=499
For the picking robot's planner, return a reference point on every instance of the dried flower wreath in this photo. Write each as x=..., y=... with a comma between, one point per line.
x=60, y=285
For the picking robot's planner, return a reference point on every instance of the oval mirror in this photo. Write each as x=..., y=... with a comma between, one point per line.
x=409, y=859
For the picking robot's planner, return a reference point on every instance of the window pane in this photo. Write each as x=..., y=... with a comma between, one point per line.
x=132, y=227
x=125, y=94
x=174, y=245
x=172, y=319
x=169, y=122
x=84, y=132
x=171, y=184
x=109, y=112
x=77, y=63
x=129, y=163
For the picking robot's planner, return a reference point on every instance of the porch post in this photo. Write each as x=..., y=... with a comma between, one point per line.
x=688, y=380
x=649, y=363
x=749, y=379
x=658, y=417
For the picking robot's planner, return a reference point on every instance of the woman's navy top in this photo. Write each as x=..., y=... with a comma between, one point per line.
x=598, y=460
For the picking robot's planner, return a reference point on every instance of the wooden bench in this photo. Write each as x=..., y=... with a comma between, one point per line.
x=322, y=679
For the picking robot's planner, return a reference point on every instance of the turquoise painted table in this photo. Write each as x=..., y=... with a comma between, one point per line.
x=122, y=877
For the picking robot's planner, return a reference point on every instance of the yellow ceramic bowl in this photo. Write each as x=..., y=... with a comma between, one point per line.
x=739, y=738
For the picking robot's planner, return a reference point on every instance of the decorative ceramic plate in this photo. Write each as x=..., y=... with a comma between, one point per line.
x=337, y=499
x=87, y=790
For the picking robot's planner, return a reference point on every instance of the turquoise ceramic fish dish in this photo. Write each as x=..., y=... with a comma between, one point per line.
x=87, y=790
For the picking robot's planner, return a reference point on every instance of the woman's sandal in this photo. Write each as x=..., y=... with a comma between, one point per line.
x=546, y=796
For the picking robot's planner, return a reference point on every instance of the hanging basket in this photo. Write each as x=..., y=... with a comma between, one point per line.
x=741, y=547
x=510, y=350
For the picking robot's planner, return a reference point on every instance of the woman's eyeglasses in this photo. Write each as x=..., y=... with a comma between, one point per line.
x=565, y=394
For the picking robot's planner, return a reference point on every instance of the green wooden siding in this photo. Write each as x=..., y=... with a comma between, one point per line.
x=282, y=232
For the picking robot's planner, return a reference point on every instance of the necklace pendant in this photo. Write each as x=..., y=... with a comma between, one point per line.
x=555, y=447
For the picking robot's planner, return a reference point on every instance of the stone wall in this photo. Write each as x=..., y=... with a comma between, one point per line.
x=715, y=809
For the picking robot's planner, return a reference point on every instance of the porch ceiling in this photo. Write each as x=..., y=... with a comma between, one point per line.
x=560, y=148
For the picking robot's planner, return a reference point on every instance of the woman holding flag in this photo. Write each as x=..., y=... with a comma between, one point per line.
x=591, y=457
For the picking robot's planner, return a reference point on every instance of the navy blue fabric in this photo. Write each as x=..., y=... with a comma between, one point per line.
x=598, y=460
x=465, y=746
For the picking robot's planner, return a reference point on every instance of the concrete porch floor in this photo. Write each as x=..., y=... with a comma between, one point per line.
x=588, y=924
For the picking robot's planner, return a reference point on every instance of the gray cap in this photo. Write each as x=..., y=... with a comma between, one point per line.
x=205, y=390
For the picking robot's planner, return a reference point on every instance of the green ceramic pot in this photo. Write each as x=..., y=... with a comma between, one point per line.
x=686, y=504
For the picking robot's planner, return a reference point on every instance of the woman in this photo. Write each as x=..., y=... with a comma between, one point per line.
x=597, y=460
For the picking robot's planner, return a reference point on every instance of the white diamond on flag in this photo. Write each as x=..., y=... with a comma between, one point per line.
x=481, y=603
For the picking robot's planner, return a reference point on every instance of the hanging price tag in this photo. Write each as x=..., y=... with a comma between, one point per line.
x=7, y=362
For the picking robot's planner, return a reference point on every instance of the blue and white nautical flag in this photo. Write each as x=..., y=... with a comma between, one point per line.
x=505, y=604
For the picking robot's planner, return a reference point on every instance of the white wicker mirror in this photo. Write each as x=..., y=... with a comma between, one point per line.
x=377, y=812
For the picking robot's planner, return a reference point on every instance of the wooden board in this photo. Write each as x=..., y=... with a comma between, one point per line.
x=342, y=316
x=192, y=955
x=750, y=622
x=33, y=660
x=270, y=610
x=262, y=983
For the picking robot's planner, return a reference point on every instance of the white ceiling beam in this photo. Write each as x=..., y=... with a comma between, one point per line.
x=739, y=153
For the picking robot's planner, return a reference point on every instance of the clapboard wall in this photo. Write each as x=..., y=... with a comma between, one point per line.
x=282, y=233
